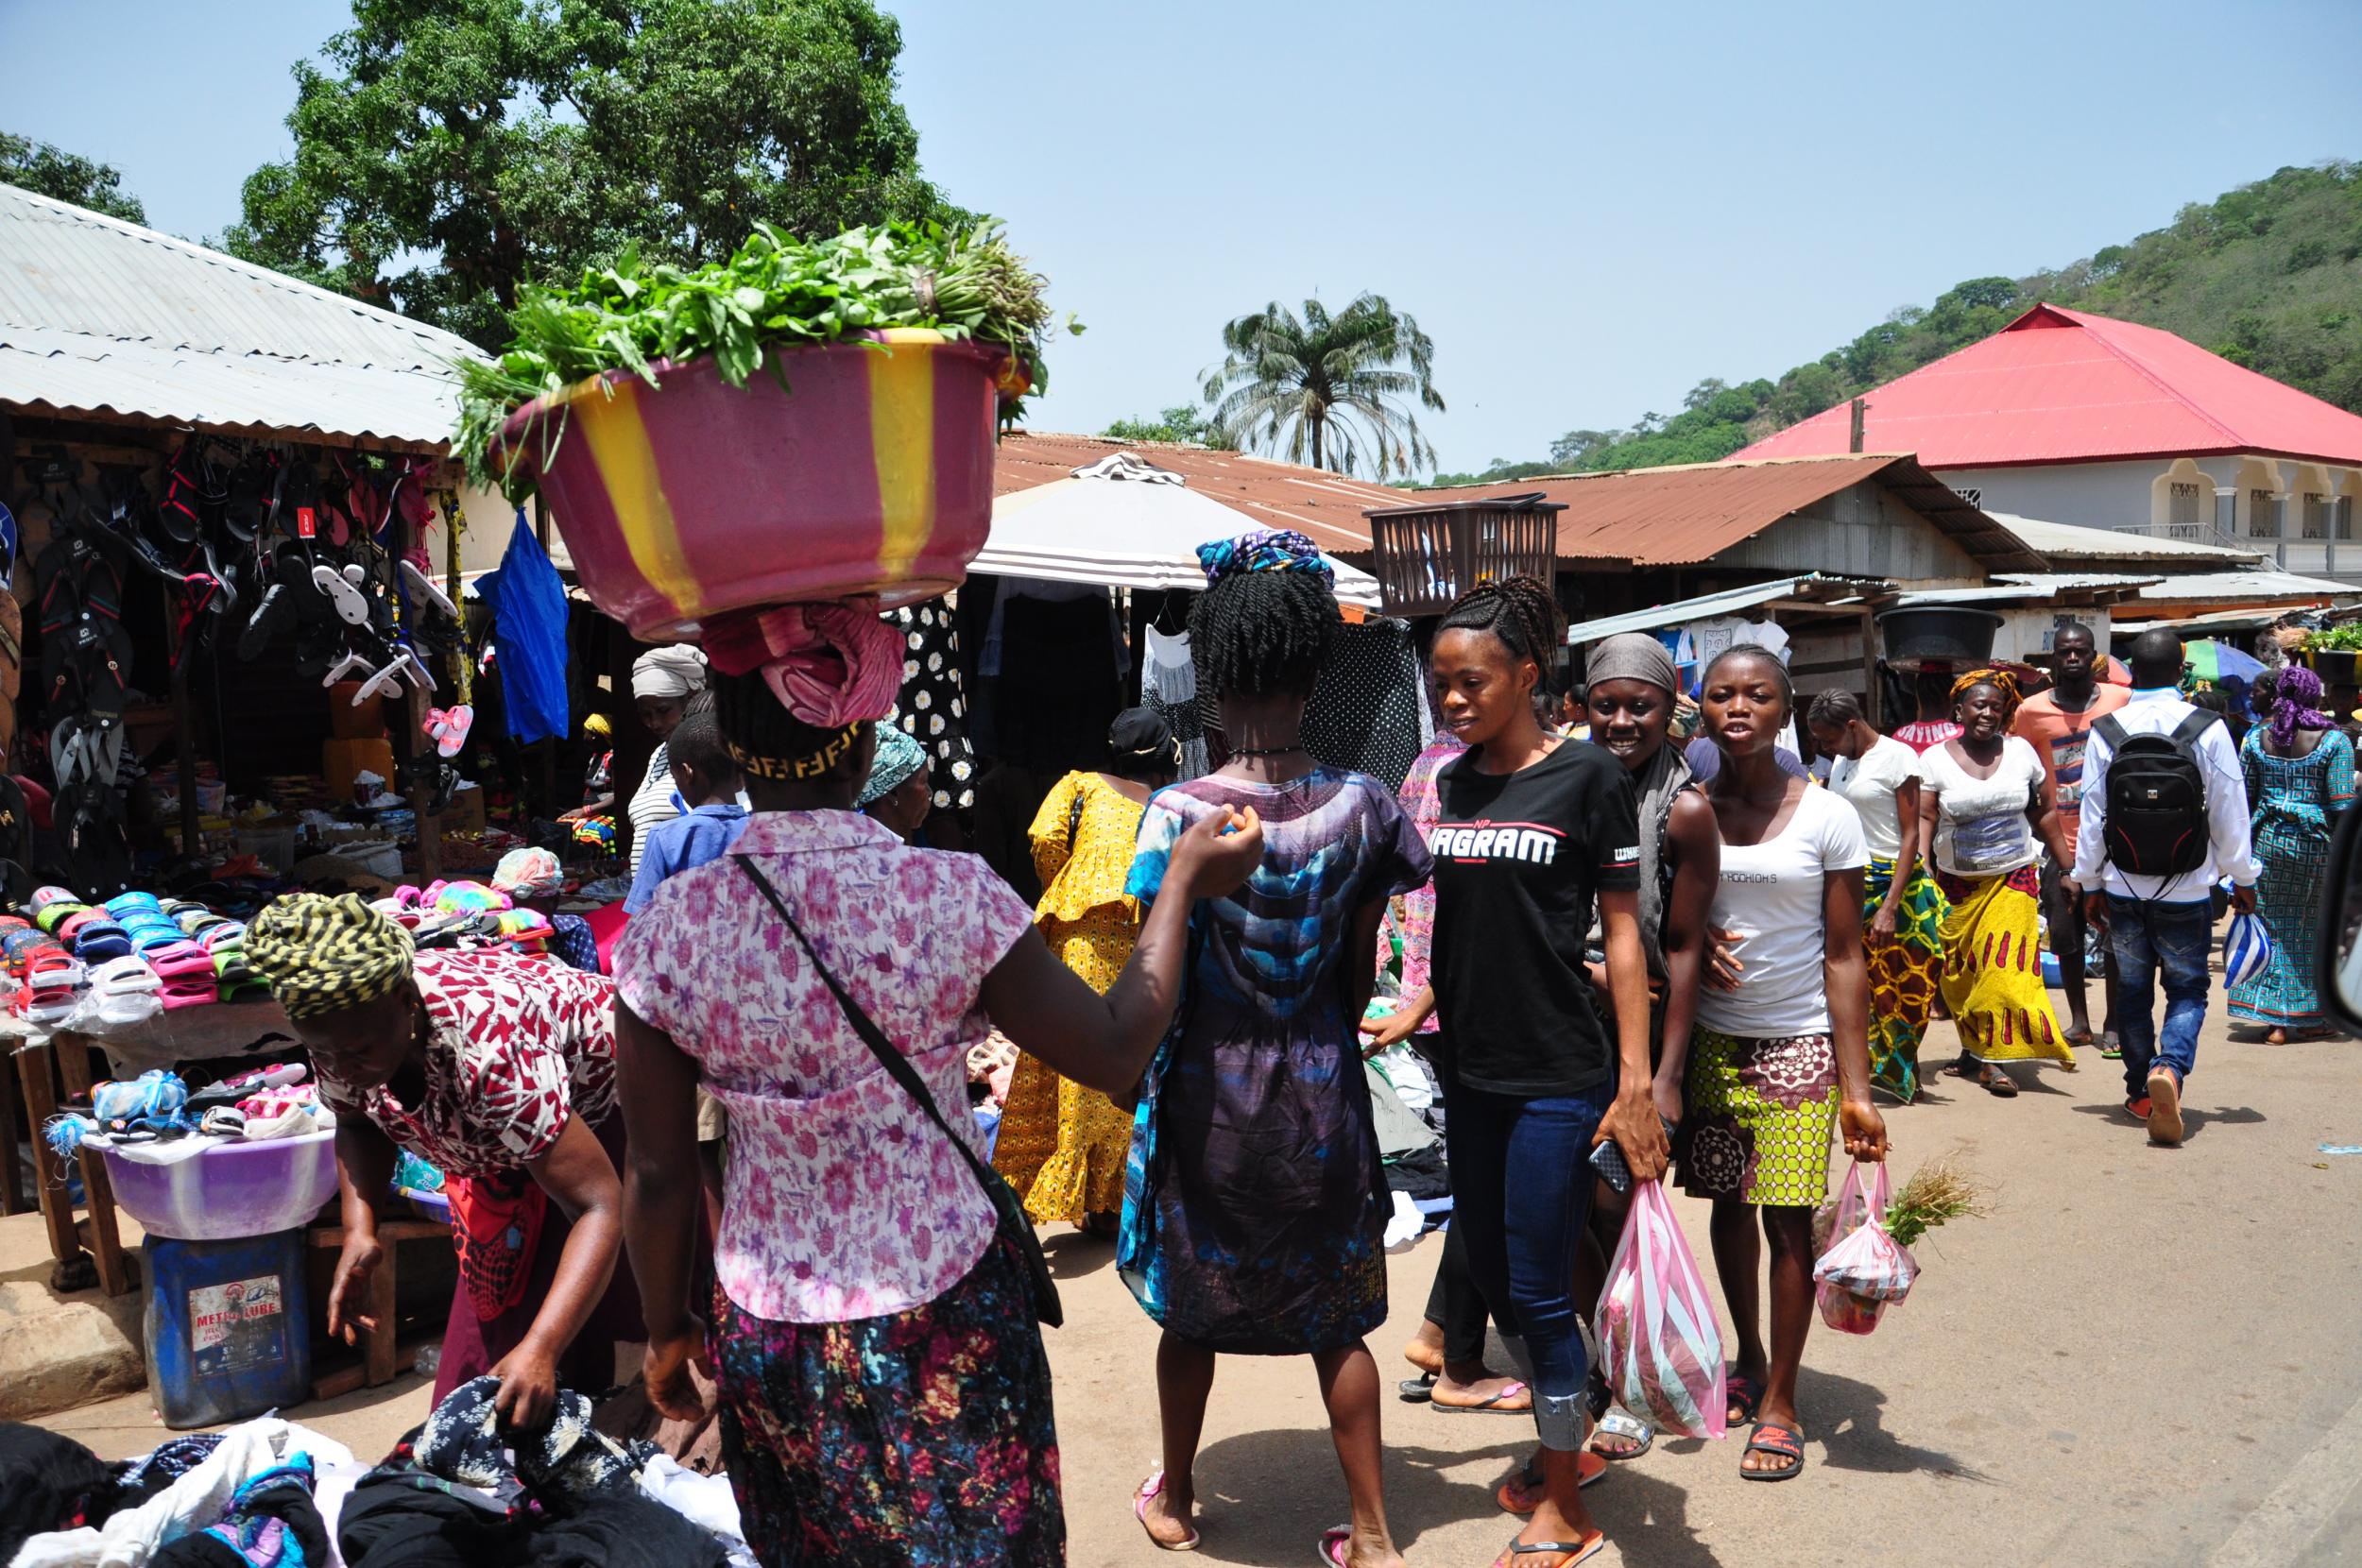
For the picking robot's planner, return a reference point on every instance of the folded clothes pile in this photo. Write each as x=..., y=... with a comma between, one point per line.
x=465, y=915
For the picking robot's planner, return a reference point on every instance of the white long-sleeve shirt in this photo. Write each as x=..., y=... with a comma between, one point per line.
x=2156, y=710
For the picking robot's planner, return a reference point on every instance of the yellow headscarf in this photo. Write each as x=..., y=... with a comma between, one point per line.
x=323, y=955
x=2000, y=680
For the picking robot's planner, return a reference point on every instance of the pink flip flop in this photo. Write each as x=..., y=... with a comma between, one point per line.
x=1333, y=1542
x=1140, y=1499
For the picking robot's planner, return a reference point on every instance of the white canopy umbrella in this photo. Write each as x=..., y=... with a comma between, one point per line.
x=1124, y=523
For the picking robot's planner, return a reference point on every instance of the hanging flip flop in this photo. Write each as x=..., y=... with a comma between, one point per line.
x=344, y=590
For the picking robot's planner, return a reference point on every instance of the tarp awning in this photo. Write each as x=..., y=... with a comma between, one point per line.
x=1681, y=613
x=1139, y=532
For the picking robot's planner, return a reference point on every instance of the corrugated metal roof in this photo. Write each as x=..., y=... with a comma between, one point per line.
x=98, y=316
x=1683, y=515
x=1681, y=613
x=1327, y=507
x=2034, y=588
x=2058, y=386
x=2261, y=583
x=2065, y=542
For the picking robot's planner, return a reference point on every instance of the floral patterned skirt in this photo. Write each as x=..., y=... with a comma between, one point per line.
x=1758, y=1121
x=1903, y=975
x=918, y=1439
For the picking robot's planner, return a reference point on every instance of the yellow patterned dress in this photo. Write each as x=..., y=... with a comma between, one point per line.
x=1063, y=1146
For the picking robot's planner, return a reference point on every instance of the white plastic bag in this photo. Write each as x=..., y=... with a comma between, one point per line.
x=1659, y=1346
x=1864, y=1269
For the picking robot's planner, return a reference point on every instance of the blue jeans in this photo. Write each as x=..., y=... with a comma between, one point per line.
x=2146, y=937
x=1521, y=1187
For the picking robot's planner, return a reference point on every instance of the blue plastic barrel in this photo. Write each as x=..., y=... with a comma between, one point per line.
x=229, y=1327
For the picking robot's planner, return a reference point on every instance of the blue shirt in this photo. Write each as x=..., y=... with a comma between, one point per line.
x=704, y=834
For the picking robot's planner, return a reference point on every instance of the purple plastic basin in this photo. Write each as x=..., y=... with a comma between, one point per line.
x=232, y=1191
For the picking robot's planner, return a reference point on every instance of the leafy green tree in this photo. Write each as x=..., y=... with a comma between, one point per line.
x=1572, y=449
x=1183, y=423
x=1335, y=391
x=452, y=148
x=50, y=171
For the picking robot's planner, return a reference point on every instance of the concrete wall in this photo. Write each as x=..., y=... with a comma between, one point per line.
x=2131, y=495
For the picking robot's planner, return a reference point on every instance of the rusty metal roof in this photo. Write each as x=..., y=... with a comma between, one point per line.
x=101, y=316
x=1324, y=506
x=1684, y=515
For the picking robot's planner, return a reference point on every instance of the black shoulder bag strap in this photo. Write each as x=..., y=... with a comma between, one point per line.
x=1012, y=1220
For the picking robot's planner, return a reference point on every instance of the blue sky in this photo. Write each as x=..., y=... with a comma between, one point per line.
x=1588, y=207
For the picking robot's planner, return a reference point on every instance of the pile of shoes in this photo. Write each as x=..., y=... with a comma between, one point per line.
x=120, y=962
x=45, y=980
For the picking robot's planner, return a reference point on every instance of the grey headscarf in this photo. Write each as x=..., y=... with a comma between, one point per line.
x=1635, y=656
x=677, y=670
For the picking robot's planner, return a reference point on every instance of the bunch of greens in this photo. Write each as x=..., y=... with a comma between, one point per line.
x=2340, y=638
x=775, y=291
x=1940, y=1190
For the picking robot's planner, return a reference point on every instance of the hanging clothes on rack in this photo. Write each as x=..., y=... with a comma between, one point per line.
x=1369, y=711
x=1058, y=664
x=932, y=707
x=1169, y=686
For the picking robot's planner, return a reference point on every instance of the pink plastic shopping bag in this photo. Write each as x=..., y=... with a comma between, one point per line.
x=1659, y=1346
x=1864, y=1269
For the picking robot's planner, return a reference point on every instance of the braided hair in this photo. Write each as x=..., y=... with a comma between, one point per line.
x=1520, y=614
x=1255, y=633
x=767, y=741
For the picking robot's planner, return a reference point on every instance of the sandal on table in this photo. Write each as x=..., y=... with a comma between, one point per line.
x=1779, y=1441
x=1140, y=1499
x=1529, y=1553
x=1522, y=1492
x=1489, y=1407
x=1620, y=1423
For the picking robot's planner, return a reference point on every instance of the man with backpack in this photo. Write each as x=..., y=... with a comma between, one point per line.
x=2165, y=818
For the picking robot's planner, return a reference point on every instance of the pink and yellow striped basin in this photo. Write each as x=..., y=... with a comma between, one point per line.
x=873, y=476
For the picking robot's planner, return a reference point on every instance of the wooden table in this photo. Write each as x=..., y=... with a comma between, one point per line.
x=51, y=1069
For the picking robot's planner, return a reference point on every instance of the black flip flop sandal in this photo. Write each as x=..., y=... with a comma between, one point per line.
x=1417, y=1390
x=1780, y=1441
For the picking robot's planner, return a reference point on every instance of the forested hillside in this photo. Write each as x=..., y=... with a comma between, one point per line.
x=2268, y=275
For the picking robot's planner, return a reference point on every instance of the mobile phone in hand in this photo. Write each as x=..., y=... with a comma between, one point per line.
x=1608, y=1160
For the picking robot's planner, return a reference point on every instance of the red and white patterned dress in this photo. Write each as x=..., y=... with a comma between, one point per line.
x=516, y=1046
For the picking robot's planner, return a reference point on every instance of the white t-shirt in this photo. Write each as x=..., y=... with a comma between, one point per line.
x=1869, y=785
x=1769, y=899
x=1982, y=829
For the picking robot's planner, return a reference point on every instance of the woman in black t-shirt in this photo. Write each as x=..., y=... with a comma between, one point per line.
x=1533, y=828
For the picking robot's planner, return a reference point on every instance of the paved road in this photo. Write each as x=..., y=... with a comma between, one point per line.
x=2146, y=1357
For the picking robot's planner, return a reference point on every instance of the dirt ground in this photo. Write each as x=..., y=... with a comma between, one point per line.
x=2146, y=1356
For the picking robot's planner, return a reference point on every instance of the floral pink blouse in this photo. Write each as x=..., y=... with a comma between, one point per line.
x=842, y=1200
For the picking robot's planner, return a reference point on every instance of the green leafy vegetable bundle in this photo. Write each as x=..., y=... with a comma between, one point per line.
x=775, y=291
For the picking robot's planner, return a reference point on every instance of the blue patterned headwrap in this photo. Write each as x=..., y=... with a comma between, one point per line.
x=1265, y=550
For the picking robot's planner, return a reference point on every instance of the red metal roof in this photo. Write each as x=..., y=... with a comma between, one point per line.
x=1681, y=516
x=2057, y=385
x=1324, y=506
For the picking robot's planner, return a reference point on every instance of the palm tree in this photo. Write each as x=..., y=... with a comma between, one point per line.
x=1327, y=390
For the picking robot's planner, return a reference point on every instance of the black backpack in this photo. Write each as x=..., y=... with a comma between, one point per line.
x=2156, y=801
